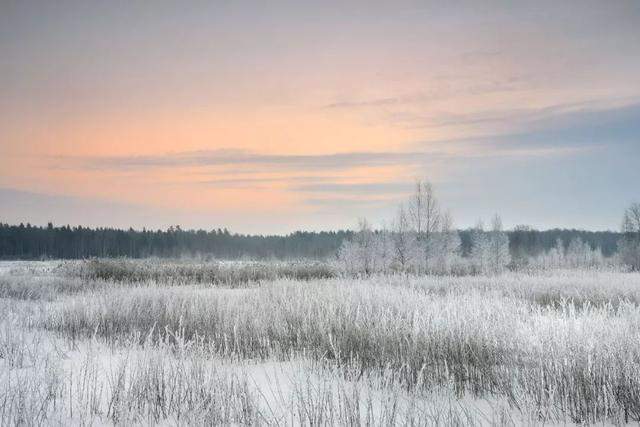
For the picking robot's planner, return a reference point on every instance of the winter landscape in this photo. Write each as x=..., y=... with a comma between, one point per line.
x=319, y=213
x=397, y=328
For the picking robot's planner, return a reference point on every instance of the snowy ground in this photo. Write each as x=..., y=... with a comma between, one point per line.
x=544, y=349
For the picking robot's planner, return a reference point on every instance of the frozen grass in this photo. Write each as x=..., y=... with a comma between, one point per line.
x=553, y=347
x=28, y=267
x=545, y=288
x=185, y=272
x=27, y=287
x=165, y=383
x=148, y=385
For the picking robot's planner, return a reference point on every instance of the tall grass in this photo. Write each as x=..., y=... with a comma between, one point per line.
x=141, y=387
x=546, y=288
x=175, y=383
x=184, y=272
x=25, y=287
x=580, y=359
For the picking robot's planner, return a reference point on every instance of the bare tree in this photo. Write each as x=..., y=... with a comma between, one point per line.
x=631, y=220
x=364, y=239
x=629, y=244
x=404, y=241
x=424, y=213
x=423, y=210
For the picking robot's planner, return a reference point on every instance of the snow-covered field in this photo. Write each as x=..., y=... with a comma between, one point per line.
x=133, y=343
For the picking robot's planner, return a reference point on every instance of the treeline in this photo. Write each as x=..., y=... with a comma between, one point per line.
x=65, y=242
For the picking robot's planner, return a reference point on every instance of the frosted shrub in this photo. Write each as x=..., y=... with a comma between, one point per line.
x=185, y=272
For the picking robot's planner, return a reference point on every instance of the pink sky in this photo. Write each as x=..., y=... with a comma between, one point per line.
x=282, y=117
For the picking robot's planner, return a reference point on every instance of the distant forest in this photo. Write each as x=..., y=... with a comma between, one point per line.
x=65, y=242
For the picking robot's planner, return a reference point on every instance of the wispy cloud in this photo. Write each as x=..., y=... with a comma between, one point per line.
x=575, y=129
x=323, y=162
x=292, y=162
x=371, y=179
x=444, y=87
x=264, y=182
x=516, y=118
x=368, y=188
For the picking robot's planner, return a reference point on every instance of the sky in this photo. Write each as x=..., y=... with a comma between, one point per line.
x=270, y=117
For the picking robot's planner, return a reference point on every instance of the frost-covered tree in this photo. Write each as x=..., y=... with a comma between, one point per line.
x=368, y=251
x=631, y=219
x=580, y=255
x=629, y=244
x=347, y=258
x=479, y=248
x=551, y=259
x=445, y=247
x=490, y=250
x=358, y=255
x=405, y=245
x=554, y=258
x=383, y=250
x=499, y=256
x=420, y=239
x=424, y=213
